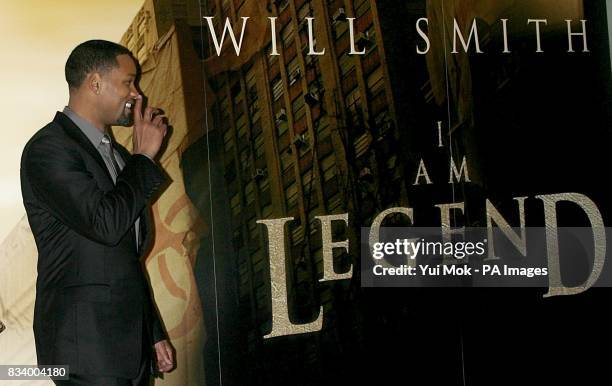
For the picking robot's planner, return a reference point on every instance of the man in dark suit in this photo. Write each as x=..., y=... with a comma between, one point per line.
x=86, y=199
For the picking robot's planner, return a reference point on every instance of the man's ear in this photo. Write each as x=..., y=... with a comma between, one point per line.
x=94, y=82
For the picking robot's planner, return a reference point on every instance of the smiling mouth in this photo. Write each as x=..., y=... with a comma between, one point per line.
x=126, y=118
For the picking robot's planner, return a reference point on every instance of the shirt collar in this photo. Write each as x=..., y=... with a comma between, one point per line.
x=90, y=131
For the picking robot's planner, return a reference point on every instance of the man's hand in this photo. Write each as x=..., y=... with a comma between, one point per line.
x=164, y=356
x=149, y=130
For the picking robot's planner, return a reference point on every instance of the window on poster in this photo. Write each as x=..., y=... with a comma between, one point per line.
x=252, y=224
x=334, y=204
x=361, y=7
x=235, y=204
x=340, y=28
x=140, y=50
x=224, y=106
x=286, y=159
x=228, y=141
x=297, y=106
x=281, y=128
x=237, y=95
x=370, y=34
x=303, y=143
x=266, y=211
x=371, y=62
x=249, y=192
x=258, y=263
x=345, y=62
x=307, y=181
x=142, y=25
x=282, y=4
x=313, y=223
x=287, y=34
x=277, y=87
x=244, y=159
x=256, y=126
x=376, y=90
x=382, y=122
x=349, y=81
x=259, y=143
x=131, y=41
x=226, y=122
x=241, y=127
x=353, y=100
x=243, y=271
x=375, y=82
x=293, y=71
x=291, y=195
x=304, y=11
x=263, y=184
x=297, y=235
x=254, y=111
x=323, y=129
x=328, y=167
x=251, y=86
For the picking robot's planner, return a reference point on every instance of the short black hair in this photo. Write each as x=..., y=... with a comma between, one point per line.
x=90, y=56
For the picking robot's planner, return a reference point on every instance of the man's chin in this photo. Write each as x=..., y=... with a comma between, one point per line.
x=125, y=121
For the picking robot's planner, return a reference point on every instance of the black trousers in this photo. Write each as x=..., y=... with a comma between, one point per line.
x=142, y=379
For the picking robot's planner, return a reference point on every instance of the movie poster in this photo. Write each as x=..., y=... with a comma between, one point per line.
x=390, y=192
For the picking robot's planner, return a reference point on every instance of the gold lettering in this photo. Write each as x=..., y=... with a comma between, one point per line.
x=281, y=324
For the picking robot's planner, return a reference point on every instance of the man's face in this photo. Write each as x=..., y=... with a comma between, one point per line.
x=117, y=93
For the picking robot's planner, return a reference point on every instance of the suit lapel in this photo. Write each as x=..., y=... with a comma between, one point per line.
x=75, y=133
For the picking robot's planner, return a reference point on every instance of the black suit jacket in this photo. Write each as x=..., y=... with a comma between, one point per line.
x=93, y=302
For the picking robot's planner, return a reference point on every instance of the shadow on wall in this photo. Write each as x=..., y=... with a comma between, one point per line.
x=221, y=319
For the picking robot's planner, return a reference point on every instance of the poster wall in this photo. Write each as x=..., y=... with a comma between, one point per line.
x=305, y=133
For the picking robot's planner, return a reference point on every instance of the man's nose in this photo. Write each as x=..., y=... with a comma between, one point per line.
x=133, y=91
